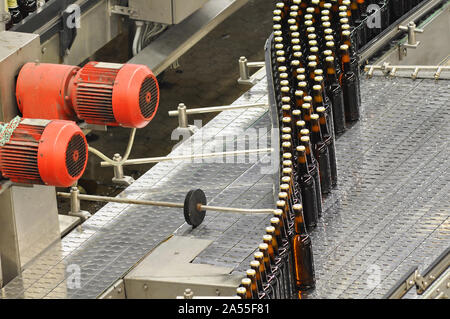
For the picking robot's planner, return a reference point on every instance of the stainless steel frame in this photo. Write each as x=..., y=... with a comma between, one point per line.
x=176, y=41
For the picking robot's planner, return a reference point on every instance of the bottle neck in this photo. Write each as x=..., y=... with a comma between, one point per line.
x=299, y=225
x=316, y=133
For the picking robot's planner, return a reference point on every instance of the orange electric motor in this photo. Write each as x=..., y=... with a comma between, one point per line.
x=44, y=152
x=99, y=93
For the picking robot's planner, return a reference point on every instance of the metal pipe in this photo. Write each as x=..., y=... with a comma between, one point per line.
x=213, y=109
x=150, y=160
x=243, y=68
x=256, y=64
x=95, y=198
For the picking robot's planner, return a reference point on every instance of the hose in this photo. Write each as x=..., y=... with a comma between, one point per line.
x=126, y=155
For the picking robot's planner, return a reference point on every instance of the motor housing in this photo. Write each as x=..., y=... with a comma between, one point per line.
x=99, y=93
x=44, y=152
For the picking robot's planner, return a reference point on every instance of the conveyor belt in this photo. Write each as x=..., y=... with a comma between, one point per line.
x=389, y=212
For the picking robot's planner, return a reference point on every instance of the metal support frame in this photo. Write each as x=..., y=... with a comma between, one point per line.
x=119, y=177
x=392, y=32
x=75, y=207
x=434, y=283
x=392, y=70
x=244, y=71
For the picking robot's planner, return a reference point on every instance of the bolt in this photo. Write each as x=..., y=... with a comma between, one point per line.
x=145, y=287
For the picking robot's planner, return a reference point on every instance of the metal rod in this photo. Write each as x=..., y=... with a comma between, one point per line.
x=150, y=160
x=95, y=198
x=213, y=109
x=256, y=64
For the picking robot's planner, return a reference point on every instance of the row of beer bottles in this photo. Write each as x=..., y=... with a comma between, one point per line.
x=283, y=264
x=18, y=10
x=292, y=71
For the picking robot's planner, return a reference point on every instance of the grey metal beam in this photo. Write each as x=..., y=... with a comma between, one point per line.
x=176, y=41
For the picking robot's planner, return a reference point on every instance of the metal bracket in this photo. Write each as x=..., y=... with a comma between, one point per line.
x=428, y=71
x=412, y=42
x=119, y=177
x=75, y=209
x=244, y=71
x=122, y=10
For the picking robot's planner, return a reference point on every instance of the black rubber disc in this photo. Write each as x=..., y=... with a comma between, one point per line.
x=192, y=215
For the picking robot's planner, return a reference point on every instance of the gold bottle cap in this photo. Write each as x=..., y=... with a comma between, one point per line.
x=320, y=109
x=275, y=221
x=281, y=203
x=297, y=54
x=286, y=130
x=293, y=28
x=318, y=78
x=292, y=21
x=286, y=179
x=264, y=246
x=300, y=123
x=285, y=89
x=251, y=272
x=318, y=71
x=270, y=230
x=325, y=18
x=277, y=26
x=278, y=46
x=285, y=99
x=314, y=116
x=305, y=133
x=254, y=263
x=312, y=36
x=327, y=5
x=293, y=14
x=301, y=148
x=310, y=9
x=312, y=57
x=278, y=39
x=344, y=47
x=276, y=18
x=308, y=99
x=343, y=19
x=287, y=155
x=330, y=44
x=286, y=137
x=306, y=106
x=311, y=29
x=295, y=37
x=329, y=59
x=286, y=120
x=287, y=163
x=301, y=70
x=296, y=48
x=326, y=24
x=295, y=62
x=284, y=82
x=317, y=87
x=277, y=213
x=284, y=187
x=328, y=53
x=308, y=22
x=280, y=53
x=302, y=84
x=296, y=113
x=286, y=144
x=294, y=7
x=258, y=255
x=277, y=33
x=314, y=49
x=281, y=59
x=241, y=291
x=277, y=12
x=267, y=238
x=246, y=281
x=299, y=93
x=328, y=31
x=297, y=207
x=312, y=64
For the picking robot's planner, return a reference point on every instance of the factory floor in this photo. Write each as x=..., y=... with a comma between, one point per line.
x=207, y=76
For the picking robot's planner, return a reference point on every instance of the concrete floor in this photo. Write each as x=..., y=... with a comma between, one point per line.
x=207, y=76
